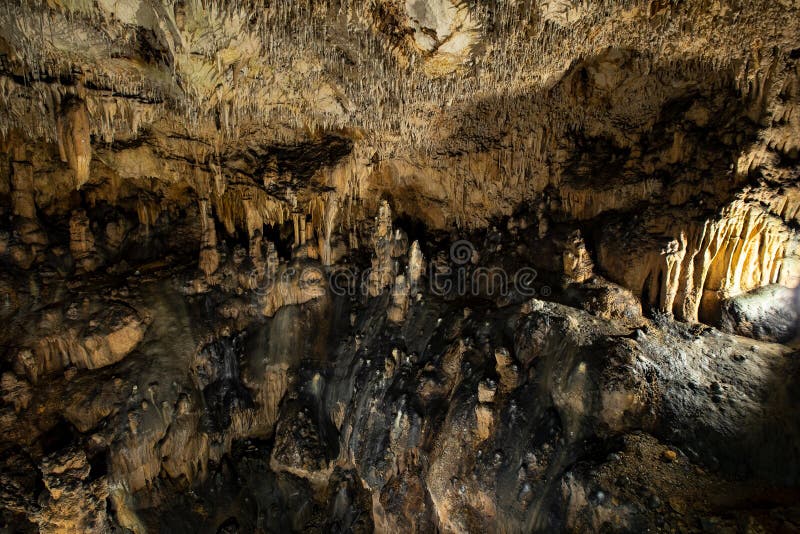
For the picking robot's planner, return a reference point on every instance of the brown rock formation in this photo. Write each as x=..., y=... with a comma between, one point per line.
x=74, y=142
x=74, y=502
x=578, y=265
x=209, y=257
x=81, y=243
x=405, y=265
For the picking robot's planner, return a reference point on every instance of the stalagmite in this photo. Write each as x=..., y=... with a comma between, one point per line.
x=578, y=265
x=296, y=228
x=416, y=265
x=382, y=273
x=399, y=306
x=507, y=369
x=255, y=249
x=673, y=254
x=82, y=243
x=22, y=202
x=484, y=416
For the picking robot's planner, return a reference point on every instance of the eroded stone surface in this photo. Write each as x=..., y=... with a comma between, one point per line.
x=402, y=265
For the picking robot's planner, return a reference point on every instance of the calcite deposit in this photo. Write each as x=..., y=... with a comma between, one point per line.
x=399, y=266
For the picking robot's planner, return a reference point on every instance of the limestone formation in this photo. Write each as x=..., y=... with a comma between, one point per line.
x=399, y=306
x=399, y=266
x=387, y=245
x=110, y=332
x=209, y=256
x=768, y=313
x=74, y=142
x=31, y=238
x=416, y=265
x=82, y=243
x=294, y=284
x=578, y=264
x=73, y=501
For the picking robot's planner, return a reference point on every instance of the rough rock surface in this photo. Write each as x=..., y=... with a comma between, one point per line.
x=768, y=313
x=399, y=265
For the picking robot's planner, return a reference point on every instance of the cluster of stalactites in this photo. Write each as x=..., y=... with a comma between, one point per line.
x=251, y=210
x=745, y=248
x=248, y=208
x=230, y=59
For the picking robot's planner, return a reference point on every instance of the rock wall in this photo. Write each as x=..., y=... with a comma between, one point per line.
x=413, y=263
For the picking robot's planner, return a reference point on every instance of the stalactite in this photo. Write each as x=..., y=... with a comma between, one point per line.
x=74, y=141
x=248, y=208
x=148, y=213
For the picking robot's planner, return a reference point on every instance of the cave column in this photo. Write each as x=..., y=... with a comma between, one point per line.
x=416, y=265
x=296, y=226
x=81, y=242
x=209, y=256
x=22, y=203
x=32, y=238
x=674, y=255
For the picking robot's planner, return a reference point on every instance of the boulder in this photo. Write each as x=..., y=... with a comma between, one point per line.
x=768, y=313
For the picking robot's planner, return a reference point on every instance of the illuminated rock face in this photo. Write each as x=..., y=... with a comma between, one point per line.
x=74, y=143
x=768, y=313
x=689, y=276
x=398, y=265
